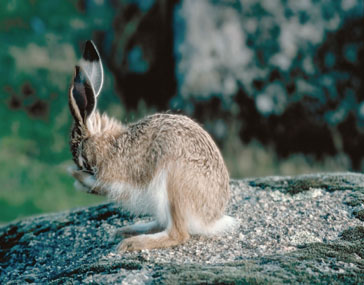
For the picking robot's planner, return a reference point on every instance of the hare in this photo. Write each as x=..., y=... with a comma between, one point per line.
x=164, y=165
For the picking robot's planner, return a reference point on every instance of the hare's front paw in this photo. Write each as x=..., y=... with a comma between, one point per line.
x=80, y=175
x=81, y=187
x=85, y=181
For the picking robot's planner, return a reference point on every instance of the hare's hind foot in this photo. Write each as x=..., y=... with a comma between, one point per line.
x=138, y=229
x=150, y=241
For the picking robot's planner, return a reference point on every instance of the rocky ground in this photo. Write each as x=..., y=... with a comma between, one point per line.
x=291, y=229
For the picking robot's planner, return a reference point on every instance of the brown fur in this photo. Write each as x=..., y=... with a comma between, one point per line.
x=197, y=176
x=124, y=162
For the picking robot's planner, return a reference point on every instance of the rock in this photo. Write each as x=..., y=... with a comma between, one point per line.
x=291, y=229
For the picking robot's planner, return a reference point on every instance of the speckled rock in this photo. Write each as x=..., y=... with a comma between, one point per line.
x=305, y=229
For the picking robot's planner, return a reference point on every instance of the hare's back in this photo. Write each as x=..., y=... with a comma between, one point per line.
x=179, y=137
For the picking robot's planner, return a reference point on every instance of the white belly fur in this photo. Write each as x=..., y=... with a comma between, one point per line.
x=150, y=200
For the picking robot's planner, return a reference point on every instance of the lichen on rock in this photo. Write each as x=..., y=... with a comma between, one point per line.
x=291, y=229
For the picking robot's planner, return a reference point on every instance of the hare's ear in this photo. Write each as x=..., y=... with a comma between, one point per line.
x=82, y=98
x=91, y=64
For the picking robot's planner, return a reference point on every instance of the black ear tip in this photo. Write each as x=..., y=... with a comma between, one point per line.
x=90, y=52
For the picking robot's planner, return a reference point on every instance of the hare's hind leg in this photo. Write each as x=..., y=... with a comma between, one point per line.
x=137, y=229
x=176, y=228
x=162, y=239
x=176, y=233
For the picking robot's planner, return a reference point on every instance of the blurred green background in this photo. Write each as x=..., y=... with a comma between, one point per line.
x=40, y=43
x=39, y=47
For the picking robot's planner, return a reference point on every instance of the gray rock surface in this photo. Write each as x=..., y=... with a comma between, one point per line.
x=291, y=229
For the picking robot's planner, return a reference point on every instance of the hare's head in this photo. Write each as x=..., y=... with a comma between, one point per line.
x=85, y=87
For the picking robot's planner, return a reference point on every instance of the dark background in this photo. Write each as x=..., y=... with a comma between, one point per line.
x=279, y=84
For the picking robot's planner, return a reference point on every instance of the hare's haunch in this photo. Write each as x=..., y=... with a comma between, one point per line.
x=164, y=165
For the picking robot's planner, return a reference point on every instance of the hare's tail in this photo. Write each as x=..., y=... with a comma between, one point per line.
x=223, y=225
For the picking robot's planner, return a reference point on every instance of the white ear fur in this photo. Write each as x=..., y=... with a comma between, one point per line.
x=92, y=65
